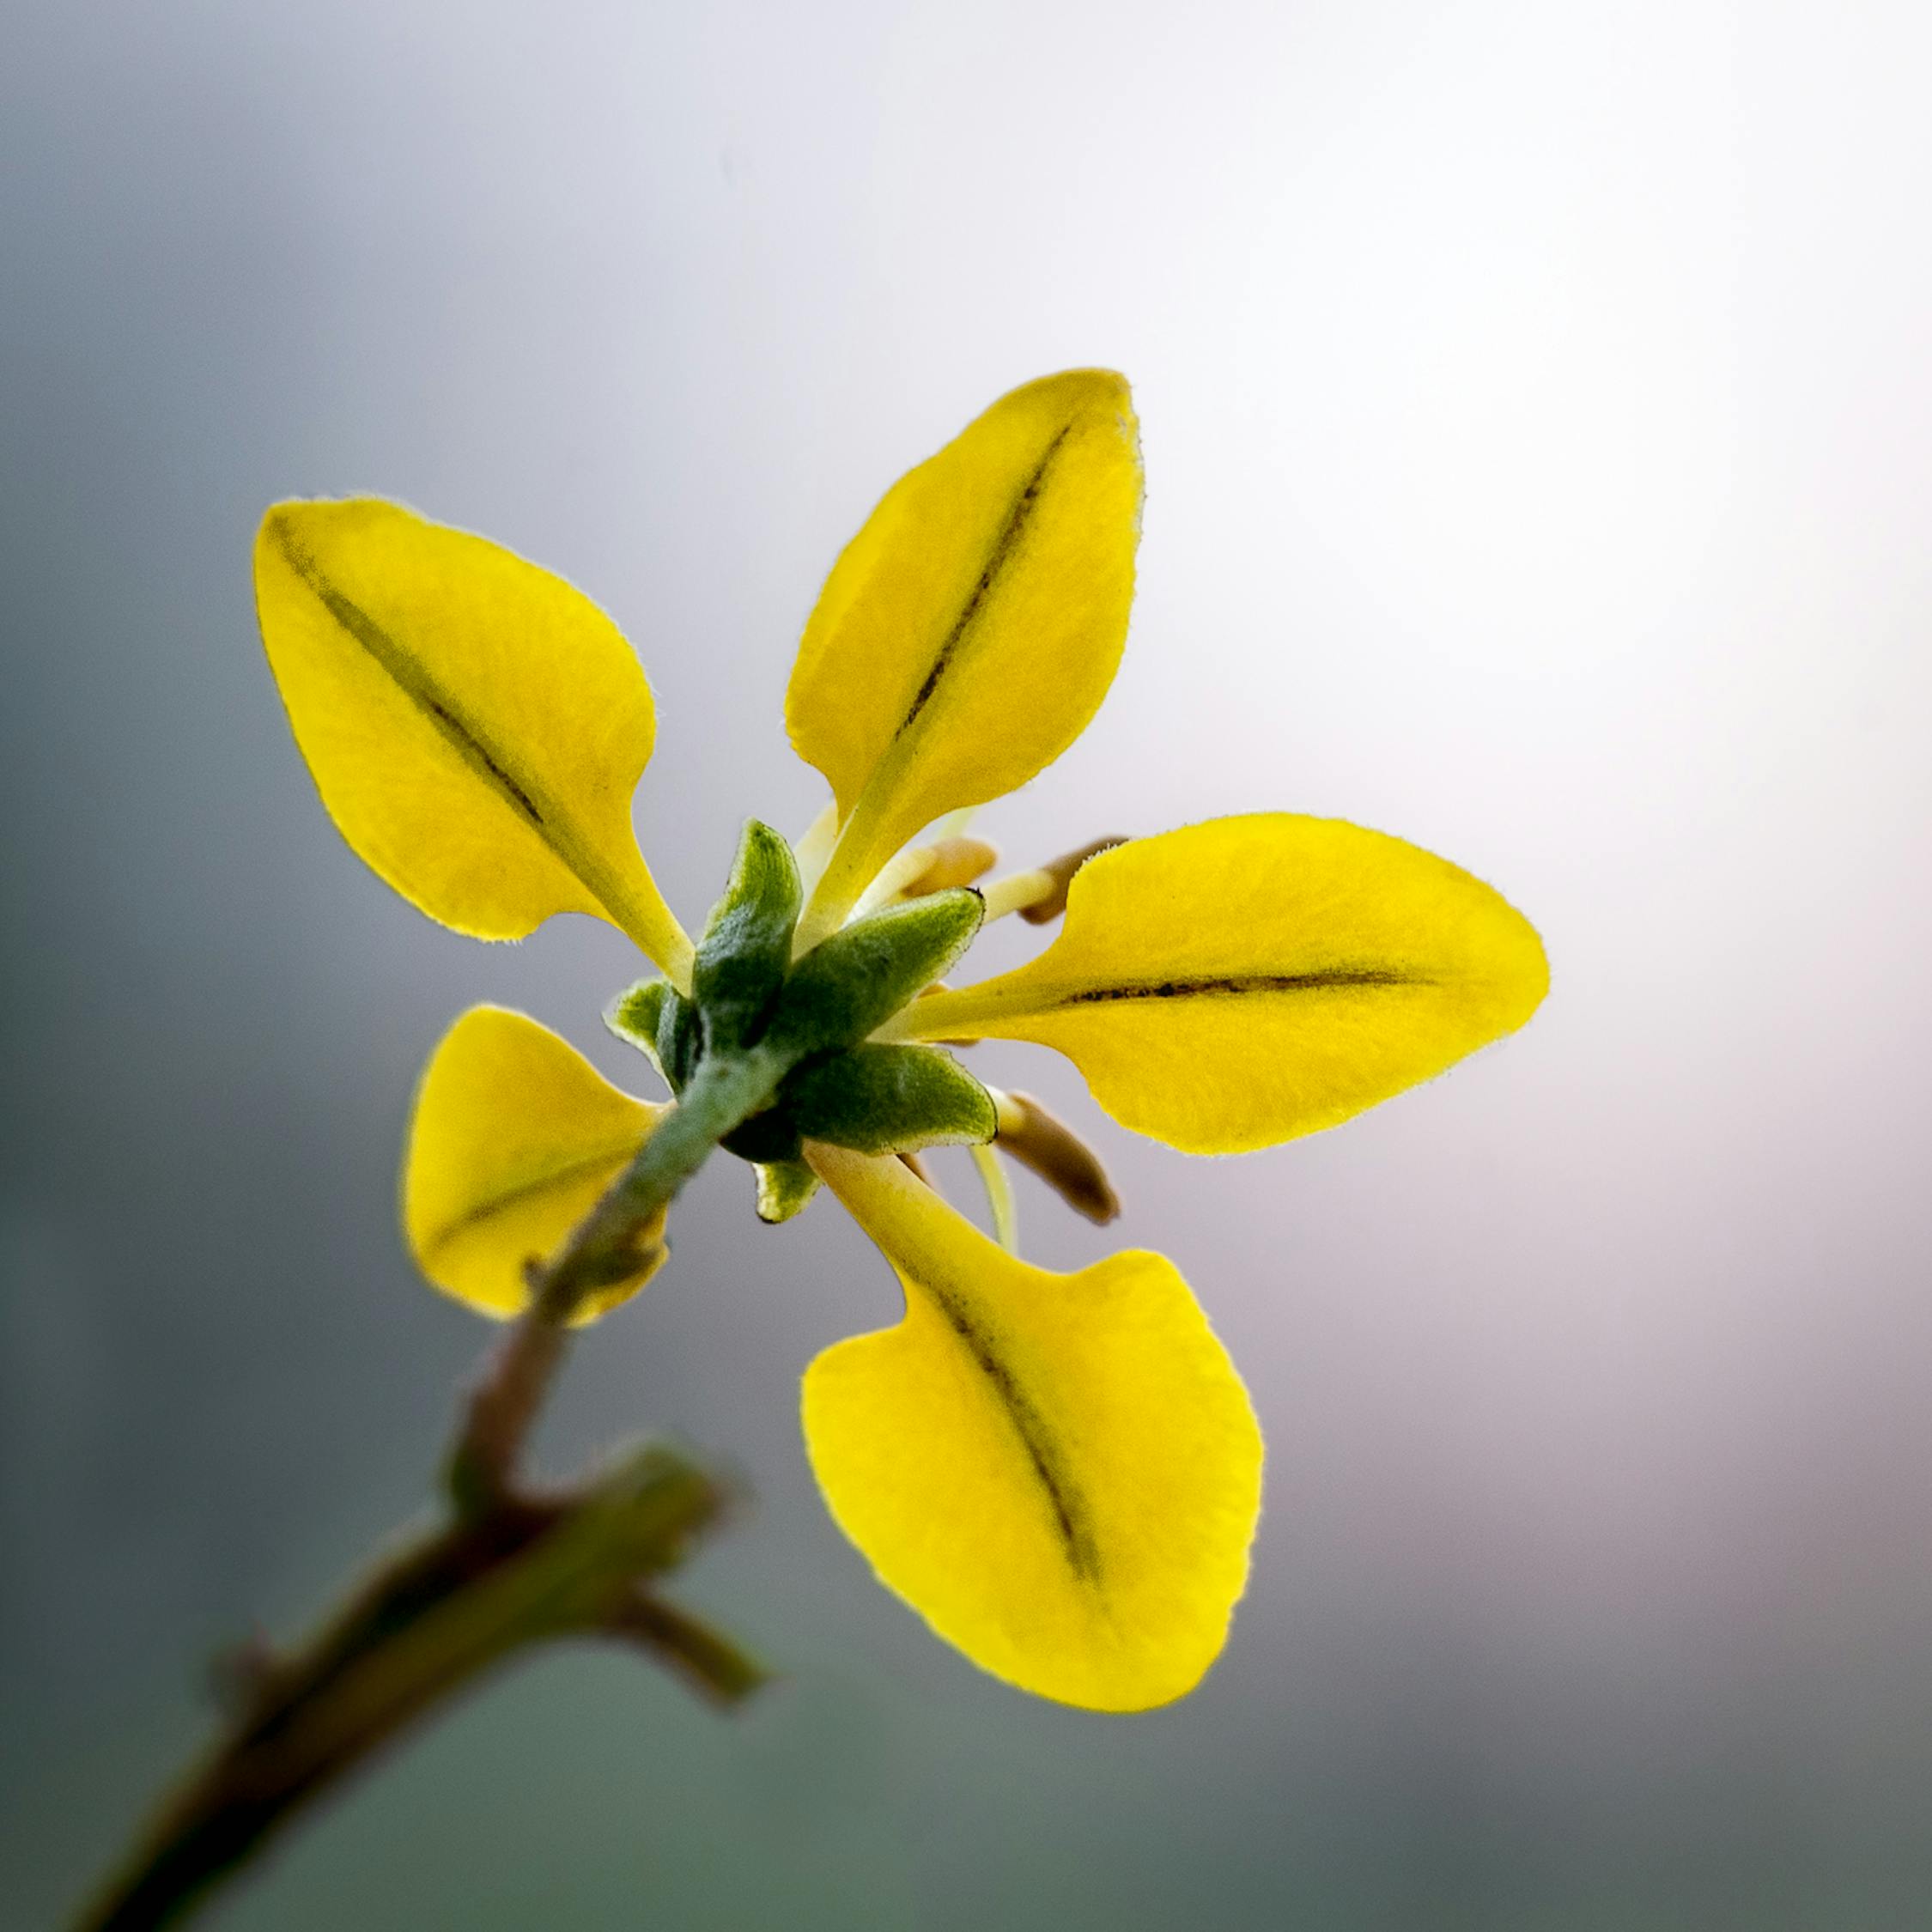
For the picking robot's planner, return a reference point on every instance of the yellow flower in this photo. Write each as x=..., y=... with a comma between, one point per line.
x=1060, y=1473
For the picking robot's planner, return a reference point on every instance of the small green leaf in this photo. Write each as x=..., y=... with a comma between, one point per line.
x=747, y=945
x=867, y=971
x=890, y=1100
x=784, y=1188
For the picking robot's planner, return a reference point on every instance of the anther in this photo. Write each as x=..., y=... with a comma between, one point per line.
x=1039, y=894
x=1054, y=1151
x=1051, y=904
x=921, y=869
x=954, y=861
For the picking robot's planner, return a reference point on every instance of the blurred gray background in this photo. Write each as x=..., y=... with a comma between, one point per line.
x=1540, y=441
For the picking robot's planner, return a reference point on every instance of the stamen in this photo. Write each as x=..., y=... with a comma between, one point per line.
x=998, y=1198
x=954, y=861
x=921, y=869
x=1051, y=1149
x=897, y=878
x=1016, y=892
x=1040, y=894
x=1061, y=871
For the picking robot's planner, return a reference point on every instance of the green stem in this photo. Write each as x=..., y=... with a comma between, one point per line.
x=722, y=1094
x=429, y=1624
x=511, y=1570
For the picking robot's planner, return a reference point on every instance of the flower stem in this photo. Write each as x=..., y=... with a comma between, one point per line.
x=510, y=1569
x=514, y=1383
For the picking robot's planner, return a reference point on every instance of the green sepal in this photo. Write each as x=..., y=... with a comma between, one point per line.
x=747, y=945
x=680, y=1039
x=784, y=1188
x=867, y=971
x=634, y=1015
x=766, y=1136
x=890, y=1100
x=662, y=1025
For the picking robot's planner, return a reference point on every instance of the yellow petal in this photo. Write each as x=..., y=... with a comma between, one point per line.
x=1062, y=1473
x=1249, y=980
x=516, y=1136
x=476, y=726
x=969, y=631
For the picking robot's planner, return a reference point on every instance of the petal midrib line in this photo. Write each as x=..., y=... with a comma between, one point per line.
x=943, y=1015
x=1223, y=984
x=633, y=904
x=854, y=861
x=485, y=1211
x=903, y=1218
x=1005, y=546
x=406, y=672
x=1036, y=1437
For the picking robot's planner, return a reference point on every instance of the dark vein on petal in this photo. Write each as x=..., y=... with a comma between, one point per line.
x=406, y=675
x=1070, y=1515
x=1238, y=983
x=1003, y=549
x=558, y=1177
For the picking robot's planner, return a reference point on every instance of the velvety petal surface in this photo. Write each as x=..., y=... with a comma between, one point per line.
x=514, y=1137
x=474, y=725
x=1062, y=1473
x=1242, y=982
x=969, y=632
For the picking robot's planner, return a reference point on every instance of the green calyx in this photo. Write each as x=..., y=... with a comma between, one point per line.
x=661, y=1026
x=890, y=1100
x=784, y=1189
x=862, y=974
x=813, y=1017
x=746, y=949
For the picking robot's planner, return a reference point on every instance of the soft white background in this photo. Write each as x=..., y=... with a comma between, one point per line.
x=1540, y=445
